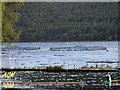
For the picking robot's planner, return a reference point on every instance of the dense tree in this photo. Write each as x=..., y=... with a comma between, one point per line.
x=10, y=17
x=68, y=21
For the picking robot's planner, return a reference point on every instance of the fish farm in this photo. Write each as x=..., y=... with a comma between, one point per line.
x=19, y=48
x=68, y=80
x=78, y=48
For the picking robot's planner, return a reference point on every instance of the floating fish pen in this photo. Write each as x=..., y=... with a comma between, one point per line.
x=78, y=48
x=19, y=48
x=102, y=61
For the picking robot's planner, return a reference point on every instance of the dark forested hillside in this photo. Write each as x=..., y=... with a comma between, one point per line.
x=68, y=21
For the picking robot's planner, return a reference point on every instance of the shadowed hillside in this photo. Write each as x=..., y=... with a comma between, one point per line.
x=68, y=21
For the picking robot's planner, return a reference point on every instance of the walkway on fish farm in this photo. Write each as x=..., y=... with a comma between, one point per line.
x=64, y=79
x=85, y=88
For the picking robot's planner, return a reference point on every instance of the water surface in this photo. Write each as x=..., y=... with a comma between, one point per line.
x=70, y=59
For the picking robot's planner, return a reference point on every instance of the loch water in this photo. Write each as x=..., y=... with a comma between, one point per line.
x=70, y=59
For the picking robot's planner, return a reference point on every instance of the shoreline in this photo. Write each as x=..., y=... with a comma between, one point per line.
x=57, y=41
x=61, y=70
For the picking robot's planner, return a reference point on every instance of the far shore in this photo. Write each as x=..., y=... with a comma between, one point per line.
x=58, y=41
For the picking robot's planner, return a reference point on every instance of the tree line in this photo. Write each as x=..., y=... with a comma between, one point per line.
x=67, y=21
x=10, y=16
